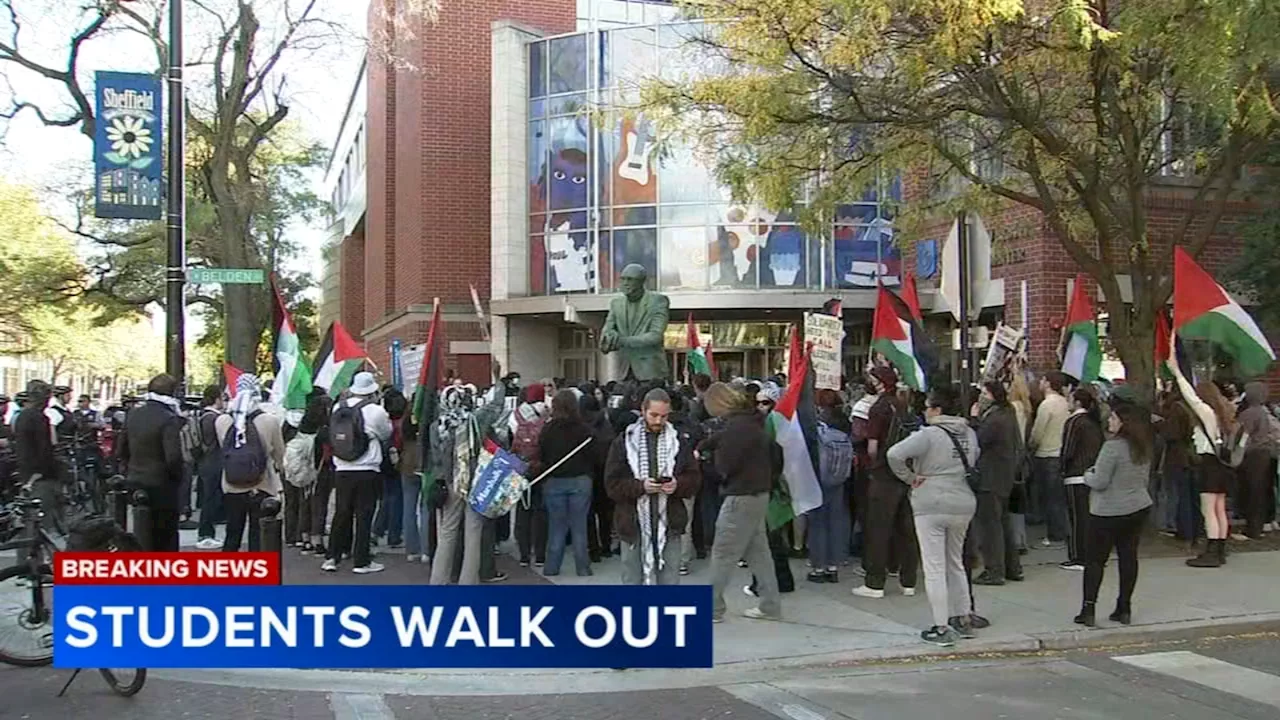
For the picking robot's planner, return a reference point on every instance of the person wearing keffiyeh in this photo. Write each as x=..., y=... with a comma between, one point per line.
x=648, y=465
x=242, y=504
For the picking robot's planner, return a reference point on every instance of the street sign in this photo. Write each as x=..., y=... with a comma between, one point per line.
x=225, y=276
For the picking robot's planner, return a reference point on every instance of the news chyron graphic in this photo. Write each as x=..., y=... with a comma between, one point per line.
x=196, y=610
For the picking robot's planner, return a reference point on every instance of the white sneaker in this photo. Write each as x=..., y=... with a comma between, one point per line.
x=866, y=592
x=1239, y=537
x=411, y=558
x=756, y=613
x=208, y=544
x=330, y=566
x=369, y=569
x=746, y=590
x=909, y=592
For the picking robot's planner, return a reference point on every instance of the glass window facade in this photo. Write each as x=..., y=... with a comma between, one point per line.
x=603, y=194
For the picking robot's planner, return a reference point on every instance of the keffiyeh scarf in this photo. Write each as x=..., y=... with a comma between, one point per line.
x=245, y=403
x=171, y=402
x=653, y=530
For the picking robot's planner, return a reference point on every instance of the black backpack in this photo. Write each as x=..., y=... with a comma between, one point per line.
x=347, y=435
x=244, y=466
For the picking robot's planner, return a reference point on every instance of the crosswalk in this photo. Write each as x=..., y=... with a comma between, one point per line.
x=1211, y=672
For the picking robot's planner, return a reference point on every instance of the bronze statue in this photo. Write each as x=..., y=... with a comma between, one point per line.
x=635, y=326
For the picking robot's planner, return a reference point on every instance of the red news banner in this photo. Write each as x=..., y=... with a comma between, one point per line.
x=110, y=568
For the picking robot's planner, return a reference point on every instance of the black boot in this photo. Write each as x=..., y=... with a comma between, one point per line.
x=1209, y=558
x=1086, y=615
x=1122, y=615
x=1222, y=552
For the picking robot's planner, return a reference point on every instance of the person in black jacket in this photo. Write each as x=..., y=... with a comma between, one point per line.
x=999, y=453
x=151, y=453
x=743, y=459
x=209, y=469
x=37, y=458
x=1082, y=438
x=567, y=491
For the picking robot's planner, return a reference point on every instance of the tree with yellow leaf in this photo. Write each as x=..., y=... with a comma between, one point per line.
x=1076, y=108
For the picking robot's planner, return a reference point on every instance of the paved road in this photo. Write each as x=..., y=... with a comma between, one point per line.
x=1232, y=679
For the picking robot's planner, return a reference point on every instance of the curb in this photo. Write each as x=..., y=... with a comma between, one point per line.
x=459, y=682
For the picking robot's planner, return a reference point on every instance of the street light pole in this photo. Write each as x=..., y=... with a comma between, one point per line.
x=176, y=270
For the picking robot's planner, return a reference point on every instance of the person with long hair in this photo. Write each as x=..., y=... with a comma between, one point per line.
x=567, y=494
x=1118, y=507
x=1024, y=410
x=931, y=463
x=1081, y=440
x=1214, y=419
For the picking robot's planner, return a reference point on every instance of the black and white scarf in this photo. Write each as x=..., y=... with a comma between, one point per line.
x=653, y=540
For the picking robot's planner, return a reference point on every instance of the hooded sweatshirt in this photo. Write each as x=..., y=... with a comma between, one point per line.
x=933, y=458
x=1253, y=418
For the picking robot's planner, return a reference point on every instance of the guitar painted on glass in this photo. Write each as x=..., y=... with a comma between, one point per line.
x=635, y=165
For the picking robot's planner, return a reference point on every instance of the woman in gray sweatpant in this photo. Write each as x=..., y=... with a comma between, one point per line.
x=930, y=461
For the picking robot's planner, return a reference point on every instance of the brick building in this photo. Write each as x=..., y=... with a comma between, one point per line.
x=478, y=163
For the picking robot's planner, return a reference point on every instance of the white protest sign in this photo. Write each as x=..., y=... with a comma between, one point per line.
x=826, y=335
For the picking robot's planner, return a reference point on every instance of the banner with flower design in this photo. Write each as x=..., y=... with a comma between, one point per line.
x=128, y=146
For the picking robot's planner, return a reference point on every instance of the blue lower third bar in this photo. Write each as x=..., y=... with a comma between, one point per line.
x=382, y=627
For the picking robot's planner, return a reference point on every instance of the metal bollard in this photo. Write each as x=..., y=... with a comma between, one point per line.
x=142, y=519
x=119, y=500
x=272, y=527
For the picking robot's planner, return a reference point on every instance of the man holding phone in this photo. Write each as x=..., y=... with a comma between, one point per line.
x=647, y=468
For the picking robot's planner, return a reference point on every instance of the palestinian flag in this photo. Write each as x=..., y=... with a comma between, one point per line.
x=338, y=360
x=794, y=427
x=292, y=376
x=795, y=356
x=231, y=377
x=1082, y=354
x=1202, y=310
x=428, y=388
x=900, y=340
x=1169, y=350
x=911, y=297
x=699, y=358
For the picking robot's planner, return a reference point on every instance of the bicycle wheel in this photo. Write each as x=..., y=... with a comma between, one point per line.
x=125, y=682
x=26, y=636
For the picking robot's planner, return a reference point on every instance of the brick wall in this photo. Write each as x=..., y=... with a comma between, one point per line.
x=429, y=166
x=351, y=282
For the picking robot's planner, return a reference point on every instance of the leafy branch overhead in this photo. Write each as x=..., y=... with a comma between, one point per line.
x=1076, y=108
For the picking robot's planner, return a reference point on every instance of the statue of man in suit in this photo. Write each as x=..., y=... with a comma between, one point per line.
x=634, y=327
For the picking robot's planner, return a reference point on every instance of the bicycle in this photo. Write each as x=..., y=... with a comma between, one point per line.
x=34, y=573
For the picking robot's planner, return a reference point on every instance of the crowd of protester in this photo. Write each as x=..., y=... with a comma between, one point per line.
x=917, y=487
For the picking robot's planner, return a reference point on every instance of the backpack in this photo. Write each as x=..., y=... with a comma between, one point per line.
x=525, y=442
x=347, y=435
x=299, y=461
x=244, y=466
x=835, y=456
x=191, y=442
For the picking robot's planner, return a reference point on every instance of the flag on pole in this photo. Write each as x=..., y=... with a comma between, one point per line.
x=1081, y=354
x=911, y=297
x=797, y=435
x=697, y=360
x=231, y=375
x=292, y=383
x=795, y=356
x=339, y=359
x=1202, y=310
x=428, y=389
x=1169, y=352
x=899, y=340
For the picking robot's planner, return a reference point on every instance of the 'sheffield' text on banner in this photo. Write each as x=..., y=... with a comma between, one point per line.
x=226, y=626
x=127, y=147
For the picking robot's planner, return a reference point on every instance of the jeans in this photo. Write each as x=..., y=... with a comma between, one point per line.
x=459, y=525
x=415, y=515
x=243, y=508
x=995, y=536
x=297, y=513
x=209, y=472
x=889, y=533
x=568, y=501
x=389, y=520
x=1051, y=496
x=709, y=504
x=946, y=581
x=829, y=529
x=740, y=535
x=1121, y=533
x=356, y=494
x=320, y=505
x=686, y=540
x=633, y=563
